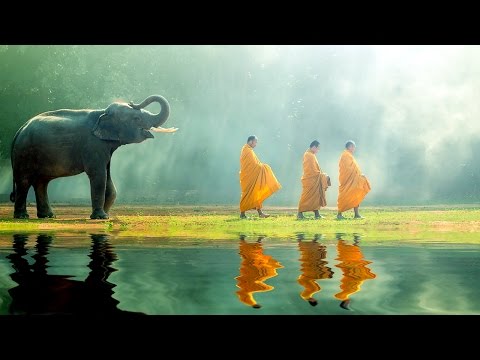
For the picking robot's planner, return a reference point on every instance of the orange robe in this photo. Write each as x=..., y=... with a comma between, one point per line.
x=255, y=268
x=313, y=267
x=314, y=184
x=257, y=180
x=352, y=185
x=354, y=269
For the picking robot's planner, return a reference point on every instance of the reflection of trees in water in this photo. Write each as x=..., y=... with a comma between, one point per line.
x=411, y=276
x=354, y=269
x=313, y=266
x=255, y=268
x=40, y=293
x=174, y=279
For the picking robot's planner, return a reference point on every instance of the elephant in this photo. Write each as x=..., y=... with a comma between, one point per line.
x=68, y=142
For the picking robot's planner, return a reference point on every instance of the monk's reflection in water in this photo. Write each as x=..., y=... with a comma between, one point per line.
x=354, y=269
x=40, y=293
x=313, y=267
x=255, y=268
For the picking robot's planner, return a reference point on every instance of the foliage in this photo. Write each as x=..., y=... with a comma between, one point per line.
x=286, y=95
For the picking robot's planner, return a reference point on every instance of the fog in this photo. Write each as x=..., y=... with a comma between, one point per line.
x=413, y=112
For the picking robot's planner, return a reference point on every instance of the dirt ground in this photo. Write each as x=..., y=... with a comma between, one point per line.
x=65, y=211
x=68, y=211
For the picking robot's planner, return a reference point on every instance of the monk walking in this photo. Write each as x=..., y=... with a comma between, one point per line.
x=353, y=185
x=314, y=183
x=257, y=180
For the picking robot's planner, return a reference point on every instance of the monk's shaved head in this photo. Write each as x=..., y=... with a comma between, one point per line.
x=350, y=143
x=252, y=141
x=315, y=143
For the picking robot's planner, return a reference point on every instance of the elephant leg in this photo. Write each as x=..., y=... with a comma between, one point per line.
x=110, y=192
x=98, y=183
x=41, y=195
x=21, y=193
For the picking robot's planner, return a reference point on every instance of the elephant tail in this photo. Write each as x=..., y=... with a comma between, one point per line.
x=12, y=194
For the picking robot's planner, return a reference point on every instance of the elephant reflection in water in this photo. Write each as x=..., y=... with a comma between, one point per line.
x=313, y=267
x=354, y=269
x=40, y=293
x=256, y=267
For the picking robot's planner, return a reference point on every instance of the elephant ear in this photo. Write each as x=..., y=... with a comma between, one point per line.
x=105, y=128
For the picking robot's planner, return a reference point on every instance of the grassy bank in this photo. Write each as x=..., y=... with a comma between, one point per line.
x=449, y=224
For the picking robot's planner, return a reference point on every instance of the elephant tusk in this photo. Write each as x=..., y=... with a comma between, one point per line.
x=163, y=130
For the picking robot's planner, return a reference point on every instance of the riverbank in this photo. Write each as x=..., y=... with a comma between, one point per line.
x=450, y=224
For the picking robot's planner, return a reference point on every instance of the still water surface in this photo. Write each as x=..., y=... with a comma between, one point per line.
x=339, y=274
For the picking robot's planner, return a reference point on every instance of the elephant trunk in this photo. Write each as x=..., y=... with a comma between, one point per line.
x=152, y=119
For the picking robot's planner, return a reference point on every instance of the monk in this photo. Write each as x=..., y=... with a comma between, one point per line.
x=257, y=180
x=354, y=269
x=353, y=185
x=256, y=267
x=313, y=267
x=314, y=183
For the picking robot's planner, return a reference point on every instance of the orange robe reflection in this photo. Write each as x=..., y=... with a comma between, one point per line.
x=256, y=267
x=314, y=184
x=313, y=267
x=353, y=185
x=354, y=269
x=257, y=180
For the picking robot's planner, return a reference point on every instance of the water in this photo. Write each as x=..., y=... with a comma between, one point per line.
x=339, y=274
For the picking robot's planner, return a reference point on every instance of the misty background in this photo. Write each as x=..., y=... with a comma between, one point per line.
x=412, y=110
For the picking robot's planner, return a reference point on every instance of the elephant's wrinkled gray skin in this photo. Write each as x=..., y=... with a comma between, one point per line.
x=68, y=142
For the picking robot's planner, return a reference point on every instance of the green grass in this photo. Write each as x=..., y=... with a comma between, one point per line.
x=8, y=225
x=382, y=224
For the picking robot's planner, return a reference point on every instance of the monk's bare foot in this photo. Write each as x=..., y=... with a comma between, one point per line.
x=243, y=216
x=358, y=217
x=340, y=217
x=312, y=302
x=263, y=215
x=300, y=216
x=257, y=306
x=319, y=216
